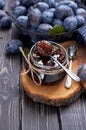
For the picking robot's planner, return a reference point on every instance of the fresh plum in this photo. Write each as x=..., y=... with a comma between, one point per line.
x=82, y=72
x=51, y=3
x=80, y=11
x=44, y=28
x=80, y=20
x=70, y=23
x=23, y=21
x=35, y=1
x=57, y=22
x=19, y=10
x=52, y=10
x=42, y=6
x=2, y=4
x=35, y=17
x=26, y=3
x=69, y=3
x=5, y=22
x=47, y=16
x=13, y=46
x=63, y=11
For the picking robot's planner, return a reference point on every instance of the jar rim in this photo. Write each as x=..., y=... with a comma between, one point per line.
x=36, y=64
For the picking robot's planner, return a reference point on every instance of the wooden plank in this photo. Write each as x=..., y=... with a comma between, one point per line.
x=9, y=84
x=37, y=116
x=73, y=117
x=9, y=87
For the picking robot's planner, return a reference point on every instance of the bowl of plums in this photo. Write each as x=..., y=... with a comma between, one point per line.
x=43, y=68
x=53, y=20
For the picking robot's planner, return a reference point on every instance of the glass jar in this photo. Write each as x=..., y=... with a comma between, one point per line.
x=42, y=74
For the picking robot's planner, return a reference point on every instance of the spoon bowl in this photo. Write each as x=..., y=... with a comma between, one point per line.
x=72, y=52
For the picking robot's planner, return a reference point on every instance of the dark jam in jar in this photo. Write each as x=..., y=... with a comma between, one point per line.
x=41, y=60
x=44, y=50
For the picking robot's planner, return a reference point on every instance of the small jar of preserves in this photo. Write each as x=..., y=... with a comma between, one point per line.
x=43, y=69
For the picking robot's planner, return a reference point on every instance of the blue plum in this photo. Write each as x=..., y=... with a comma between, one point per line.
x=13, y=46
x=80, y=11
x=70, y=23
x=35, y=17
x=5, y=22
x=52, y=10
x=42, y=6
x=69, y=3
x=23, y=21
x=57, y=22
x=44, y=28
x=47, y=16
x=26, y=3
x=56, y=4
x=80, y=20
x=82, y=72
x=35, y=1
x=63, y=11
x=51, y=3
x=19, y=10
x=2, y=4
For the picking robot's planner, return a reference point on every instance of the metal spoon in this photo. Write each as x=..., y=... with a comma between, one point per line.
x=72, y=75
x=72, y=53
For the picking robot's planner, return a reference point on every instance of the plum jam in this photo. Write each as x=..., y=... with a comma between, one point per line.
x=41, y=61
x=44, y=50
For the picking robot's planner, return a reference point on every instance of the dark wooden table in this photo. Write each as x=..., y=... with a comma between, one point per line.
x=19, y=112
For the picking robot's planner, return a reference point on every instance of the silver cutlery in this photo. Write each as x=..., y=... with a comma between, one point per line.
x=72, y=53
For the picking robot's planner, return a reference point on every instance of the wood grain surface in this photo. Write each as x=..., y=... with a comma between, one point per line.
x=9, y=84
x=73, y=117
x=19, y=112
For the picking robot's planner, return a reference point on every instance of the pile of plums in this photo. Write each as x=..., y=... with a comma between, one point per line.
x=42, y=15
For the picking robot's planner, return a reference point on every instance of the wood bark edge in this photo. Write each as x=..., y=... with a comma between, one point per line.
x=55, y=102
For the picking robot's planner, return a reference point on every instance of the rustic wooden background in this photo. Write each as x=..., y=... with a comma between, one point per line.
x=18, y=111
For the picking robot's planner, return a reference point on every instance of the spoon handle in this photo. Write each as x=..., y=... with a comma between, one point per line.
x=72, y=75
x=68, y=82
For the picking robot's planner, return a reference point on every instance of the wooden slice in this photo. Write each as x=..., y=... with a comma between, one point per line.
x=57, y=94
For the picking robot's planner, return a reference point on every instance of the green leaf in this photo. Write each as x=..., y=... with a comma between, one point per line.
x=26, y=51
x=56, y=30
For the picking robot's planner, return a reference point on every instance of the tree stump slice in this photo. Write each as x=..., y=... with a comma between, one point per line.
x=57, y=94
